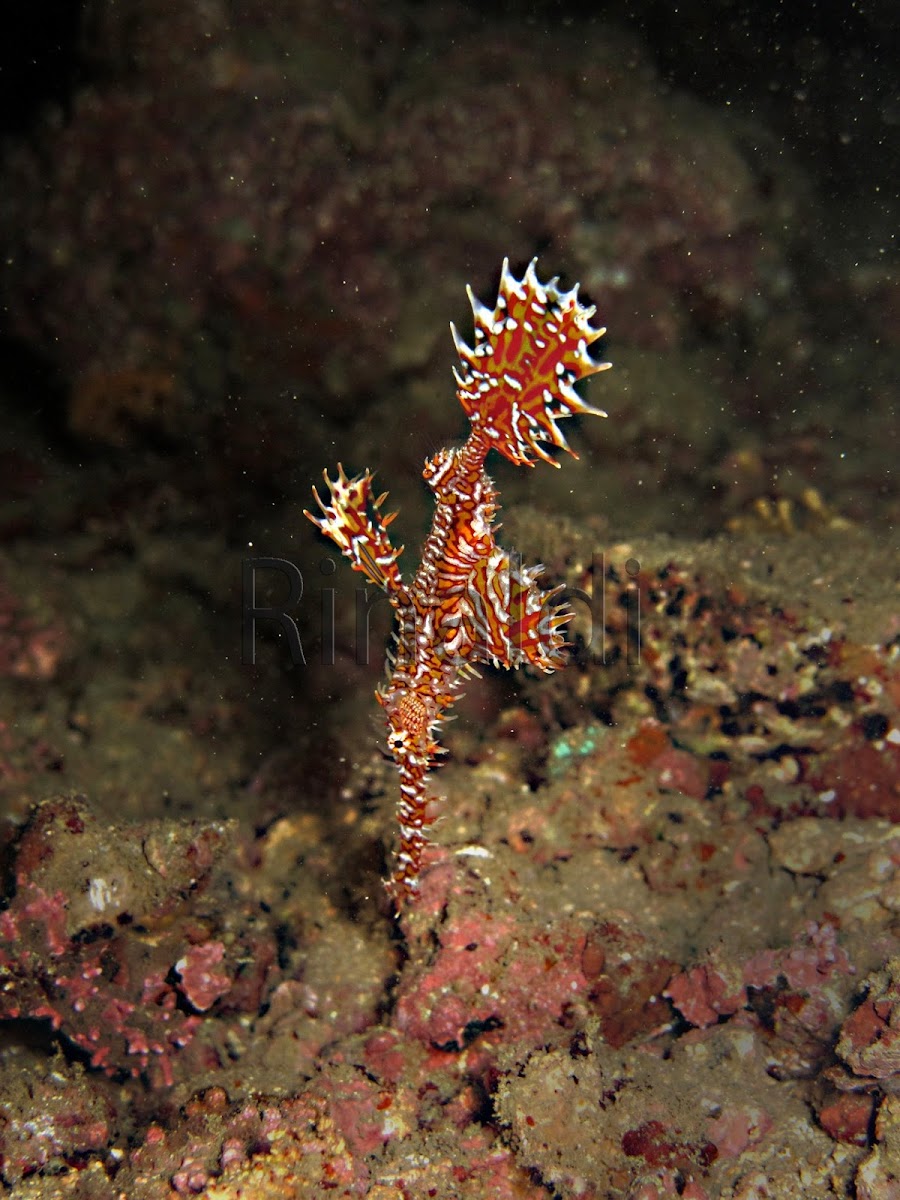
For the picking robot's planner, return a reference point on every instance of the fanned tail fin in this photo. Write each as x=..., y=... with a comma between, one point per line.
x=517, y=381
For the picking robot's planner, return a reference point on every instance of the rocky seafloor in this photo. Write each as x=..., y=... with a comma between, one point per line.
x=656, y=951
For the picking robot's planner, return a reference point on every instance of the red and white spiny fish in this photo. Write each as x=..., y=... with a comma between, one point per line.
x=471, y=601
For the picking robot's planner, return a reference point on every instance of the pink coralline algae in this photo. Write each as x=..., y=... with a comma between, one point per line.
x=869, y=1047
x=704, y=994
x=490, y=974
x=804, y=987
x=202, y=979
x=68, y=954
x=45, y=978
x=814, y=959
x=870, y=1037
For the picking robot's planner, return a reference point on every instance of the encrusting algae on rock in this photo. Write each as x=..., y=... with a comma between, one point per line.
x=470, y=602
